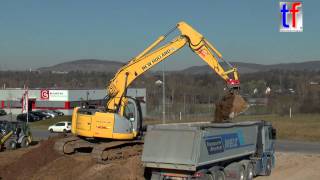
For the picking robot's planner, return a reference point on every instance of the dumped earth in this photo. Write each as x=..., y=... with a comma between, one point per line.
x=42, y=162
x=230, y=106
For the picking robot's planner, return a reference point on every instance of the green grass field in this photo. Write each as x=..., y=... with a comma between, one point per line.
x=302, y=127
x=44, y=124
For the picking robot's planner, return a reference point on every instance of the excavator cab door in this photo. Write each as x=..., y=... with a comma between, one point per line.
x=131, y=113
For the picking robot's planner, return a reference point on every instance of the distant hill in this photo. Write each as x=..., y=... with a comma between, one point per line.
x=85, y=65
x=89, y=65
x=251, y=67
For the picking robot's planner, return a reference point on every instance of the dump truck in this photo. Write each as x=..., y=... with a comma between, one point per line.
x=232, y=151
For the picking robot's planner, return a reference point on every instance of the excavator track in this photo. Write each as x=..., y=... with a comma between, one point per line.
x=102, y=152
x=116, y=150
x=69, y=145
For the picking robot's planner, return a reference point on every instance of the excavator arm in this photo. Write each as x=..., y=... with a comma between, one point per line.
x=116, y=90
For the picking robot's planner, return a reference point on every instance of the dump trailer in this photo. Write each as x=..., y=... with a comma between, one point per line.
x=221, y=151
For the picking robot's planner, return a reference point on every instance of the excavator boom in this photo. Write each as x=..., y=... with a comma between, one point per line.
x=148, y=59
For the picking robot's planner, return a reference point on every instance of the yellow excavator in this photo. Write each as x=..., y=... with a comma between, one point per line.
x=118, y=125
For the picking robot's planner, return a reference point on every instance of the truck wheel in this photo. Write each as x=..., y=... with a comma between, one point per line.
x=51, y=130
x=268, y=168
x=249, y=172
x=24, y=143
x=155, y=176
x=241, y=173
x=208, y=177
x=220, y=175
x=64, y=131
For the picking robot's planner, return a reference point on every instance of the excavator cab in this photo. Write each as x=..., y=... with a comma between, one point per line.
x=96, y=123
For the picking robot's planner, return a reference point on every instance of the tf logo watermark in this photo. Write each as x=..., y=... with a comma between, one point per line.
x=291, y=16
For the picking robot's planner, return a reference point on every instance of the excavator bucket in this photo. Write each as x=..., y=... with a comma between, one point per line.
x=230, y=106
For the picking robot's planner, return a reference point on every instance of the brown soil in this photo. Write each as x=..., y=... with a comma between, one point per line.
x=295, y=166
x=31, y=161
x=42, y=162
x=229, y=107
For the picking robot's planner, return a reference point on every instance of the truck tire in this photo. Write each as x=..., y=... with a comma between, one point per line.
x=249, y=172
x=208, y=177
x=268, y=167
x=24, y=142
x=220, y=175
x=155, y=176
x=242, y=174
x=51, y=130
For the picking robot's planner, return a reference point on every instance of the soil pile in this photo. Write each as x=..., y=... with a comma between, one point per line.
x=230, y=106
x=30, y=162
x=43, y=162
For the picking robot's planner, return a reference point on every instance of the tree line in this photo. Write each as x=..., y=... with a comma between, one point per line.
x=187, y=93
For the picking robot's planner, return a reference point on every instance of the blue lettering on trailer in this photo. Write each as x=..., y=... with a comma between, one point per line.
x=220, y=143
x=214, y=145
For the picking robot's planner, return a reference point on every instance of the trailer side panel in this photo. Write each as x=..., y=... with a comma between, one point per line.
x=218, y=144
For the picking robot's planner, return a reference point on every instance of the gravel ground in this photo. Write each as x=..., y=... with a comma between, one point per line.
x=295, y=166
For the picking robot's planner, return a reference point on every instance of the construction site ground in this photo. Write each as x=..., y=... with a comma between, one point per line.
x=42, y=162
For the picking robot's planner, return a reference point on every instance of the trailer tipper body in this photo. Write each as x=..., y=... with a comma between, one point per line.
x=209, y=150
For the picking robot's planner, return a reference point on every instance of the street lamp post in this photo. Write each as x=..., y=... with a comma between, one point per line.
x=163, y=95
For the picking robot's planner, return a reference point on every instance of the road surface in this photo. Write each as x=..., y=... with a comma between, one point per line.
x=41, y=134
x=281, y=145
x=297, y=146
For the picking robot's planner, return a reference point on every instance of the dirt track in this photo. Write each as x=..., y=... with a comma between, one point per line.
x=295, y=166
x=41, y=162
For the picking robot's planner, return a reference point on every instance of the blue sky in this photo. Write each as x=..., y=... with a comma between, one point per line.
x=35, y=33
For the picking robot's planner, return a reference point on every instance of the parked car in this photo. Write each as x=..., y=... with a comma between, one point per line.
x=58, y=112
x=40, y=115
x=31, y=117
x=63, y=126
x=3, y=112
x=52, y=112
x=49, y=113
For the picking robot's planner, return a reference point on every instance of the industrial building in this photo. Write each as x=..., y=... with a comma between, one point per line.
x=59, y=99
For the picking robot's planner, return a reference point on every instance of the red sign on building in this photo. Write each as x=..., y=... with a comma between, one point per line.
x=44, y=94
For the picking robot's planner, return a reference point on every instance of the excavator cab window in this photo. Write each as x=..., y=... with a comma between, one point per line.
x=129, y=111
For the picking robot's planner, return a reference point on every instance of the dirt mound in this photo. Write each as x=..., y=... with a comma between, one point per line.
x=30, y=162
x=130, y=169
x=84, y=167
x=43, y=162
x=229, y=107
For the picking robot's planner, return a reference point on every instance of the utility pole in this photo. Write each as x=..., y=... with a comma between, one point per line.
x=209, y=104
x=184, y=103
x=163, y=95
x=87, y=95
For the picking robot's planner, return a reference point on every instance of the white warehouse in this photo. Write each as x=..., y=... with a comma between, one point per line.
x=59, y=99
